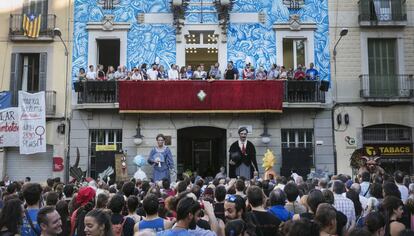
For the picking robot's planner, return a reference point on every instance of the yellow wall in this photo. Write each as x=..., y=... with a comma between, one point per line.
x=63, y=9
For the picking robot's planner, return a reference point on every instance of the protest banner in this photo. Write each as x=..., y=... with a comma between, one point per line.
x=9, y=127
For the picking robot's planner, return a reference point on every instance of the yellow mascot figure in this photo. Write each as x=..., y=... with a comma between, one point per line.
x=268, y=163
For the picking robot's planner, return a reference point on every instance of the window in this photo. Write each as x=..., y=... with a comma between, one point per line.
x=36, y=8
x=382, y=65
x=102, y=137
x=28, y=73
x=387, y=133
x=294, y=52
x=297, y=138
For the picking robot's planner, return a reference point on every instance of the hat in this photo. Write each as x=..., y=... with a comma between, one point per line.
x=85, y=195
x=241, y=129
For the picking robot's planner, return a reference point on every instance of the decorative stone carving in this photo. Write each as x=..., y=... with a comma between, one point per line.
x=108, y=23
x=108, y=4
x=294, y=4
x=294, y=22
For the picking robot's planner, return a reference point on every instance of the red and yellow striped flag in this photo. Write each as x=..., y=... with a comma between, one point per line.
x=31, y=25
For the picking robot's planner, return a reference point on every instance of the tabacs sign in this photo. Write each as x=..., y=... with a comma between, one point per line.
x=389, y=149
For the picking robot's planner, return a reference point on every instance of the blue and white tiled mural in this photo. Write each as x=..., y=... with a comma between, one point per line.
x=254, y=41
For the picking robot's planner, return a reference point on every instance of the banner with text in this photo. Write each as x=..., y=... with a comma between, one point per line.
x=32, y=121
x=9, y=127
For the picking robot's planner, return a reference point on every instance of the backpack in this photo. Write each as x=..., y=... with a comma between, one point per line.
x=117, y=229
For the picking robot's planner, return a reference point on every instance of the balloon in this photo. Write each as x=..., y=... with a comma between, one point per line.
x=140, y=161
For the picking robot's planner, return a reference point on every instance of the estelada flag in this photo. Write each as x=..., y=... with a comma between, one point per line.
x=31, y=25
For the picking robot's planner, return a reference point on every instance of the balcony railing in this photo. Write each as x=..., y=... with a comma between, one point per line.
x=16, y=31
x=386, y=86
x=382, y=13
x=96, y=91
x=50, y=101
x=303, y=91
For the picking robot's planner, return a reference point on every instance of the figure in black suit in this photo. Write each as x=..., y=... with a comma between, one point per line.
x=242, y=157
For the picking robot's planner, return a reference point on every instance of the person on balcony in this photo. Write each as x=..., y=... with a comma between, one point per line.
x=110, y=74
x=183, y=73
x=81, y=75
x=161, y=159
x=274, y=72
x=243, y=157
x=215, y=72
x=230, y=73
x=189, y=72
x=153, y=72
x=119, y=74
x=144, y=71
x=137, y=75
x=299, y=74
x=173, y=73
x=199, y=73
x=248, y=72
x=91, y=75
x=312, y=73
x=162, y=74
x=261, y=74
x=283, y=73
x=100, y=73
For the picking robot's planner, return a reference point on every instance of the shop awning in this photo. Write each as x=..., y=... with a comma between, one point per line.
x=200, y=96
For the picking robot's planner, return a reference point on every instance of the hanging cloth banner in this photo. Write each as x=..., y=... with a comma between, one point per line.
x=9, y=127
x=32, y=121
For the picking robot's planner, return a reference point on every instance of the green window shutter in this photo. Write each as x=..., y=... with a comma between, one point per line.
x=383, y=78
x=42, y=71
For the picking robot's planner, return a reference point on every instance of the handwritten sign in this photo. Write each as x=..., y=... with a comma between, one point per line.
x=9, y=127
x=32, y=121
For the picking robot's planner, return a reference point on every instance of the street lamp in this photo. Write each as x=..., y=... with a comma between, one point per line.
x=58, y=32
x=343, y=32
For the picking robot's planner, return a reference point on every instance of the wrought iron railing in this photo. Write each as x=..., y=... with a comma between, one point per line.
x=48, y=23
x=382, y=10
x=96, y=91
x=50, y=101
x=303, y=91
x=386, y=86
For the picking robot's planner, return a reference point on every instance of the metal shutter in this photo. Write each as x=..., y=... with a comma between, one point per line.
x=38, y=166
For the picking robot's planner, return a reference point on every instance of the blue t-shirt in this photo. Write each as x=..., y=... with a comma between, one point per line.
x=312, y=73
x=155, y=224
x=26, y=228
x=174, y=232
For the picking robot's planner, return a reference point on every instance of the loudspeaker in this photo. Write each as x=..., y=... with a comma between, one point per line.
x=324, y=85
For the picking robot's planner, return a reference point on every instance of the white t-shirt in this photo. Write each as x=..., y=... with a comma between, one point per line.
x=173, y=74
x=91, y=75
x=152, y=74
x=403, y=191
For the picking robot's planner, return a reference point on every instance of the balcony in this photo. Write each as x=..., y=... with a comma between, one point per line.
x=303, y=93
x=386, y=88
x=16, y=32
x=50, y=101
x=95, y=94
x=383, y=13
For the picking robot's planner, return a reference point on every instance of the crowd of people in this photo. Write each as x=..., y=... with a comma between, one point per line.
x=366, y=205
x=158, y=72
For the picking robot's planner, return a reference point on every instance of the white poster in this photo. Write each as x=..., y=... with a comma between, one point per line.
x=9, y=127
x=32, y=121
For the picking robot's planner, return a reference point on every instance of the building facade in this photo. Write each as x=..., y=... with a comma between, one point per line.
x=130, y=33
x=373, y=88
x=33, y=64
